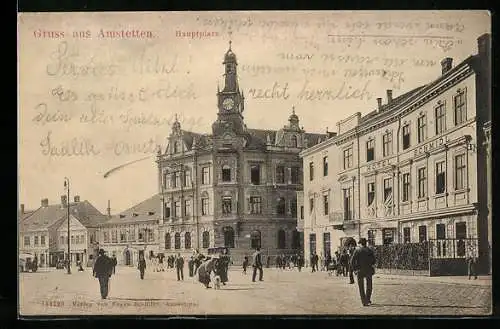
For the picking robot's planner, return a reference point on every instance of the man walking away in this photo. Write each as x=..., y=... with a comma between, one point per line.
x=257, y=265
x=141, y=265
x=363, y=262
x=114, y=261
x=102, y=271
x=179, y=265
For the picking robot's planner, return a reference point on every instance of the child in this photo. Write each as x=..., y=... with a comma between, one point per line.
x=245, y=265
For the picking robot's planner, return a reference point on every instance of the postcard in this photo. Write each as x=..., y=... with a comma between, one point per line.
x=256, y=162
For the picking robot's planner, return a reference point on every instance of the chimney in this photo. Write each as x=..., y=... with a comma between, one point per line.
x=389, y=96
x=446, y=65
x=379, y=103
x=77, y=198
x=64, y=200
x=45, y=202
x=108, y=210
x=22, y=208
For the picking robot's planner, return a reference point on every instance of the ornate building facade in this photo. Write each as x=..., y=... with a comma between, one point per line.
x=235, y=187
x=411, y=171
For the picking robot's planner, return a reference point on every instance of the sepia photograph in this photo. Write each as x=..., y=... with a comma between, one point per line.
x=333, y=163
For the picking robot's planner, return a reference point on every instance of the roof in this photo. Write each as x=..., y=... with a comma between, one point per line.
x=146, y=210
x=44, y=217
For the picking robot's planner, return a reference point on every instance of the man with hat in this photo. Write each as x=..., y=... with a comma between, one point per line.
x=103, y=268
x=363, y=262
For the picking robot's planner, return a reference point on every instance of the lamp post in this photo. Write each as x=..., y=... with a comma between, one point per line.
x=66, y=184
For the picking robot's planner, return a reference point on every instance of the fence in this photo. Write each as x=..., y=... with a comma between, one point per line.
x=407, y=258
x=453, y=248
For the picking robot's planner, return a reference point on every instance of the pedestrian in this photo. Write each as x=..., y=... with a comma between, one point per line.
x=204, y=271
x=102, y=271
x=314, y=264
x=160, y=262
x=350, y=254
x=191, y=266
x=321, y=262
x=80, y=267
x=224, y=261
x=299, y=262
x=278, y=261
x=471, y=265
x=114, y=261
x=179, y=266
x=268, y=261
x=141, y=265
x=344, y=262
x=363, y=264
x=257, y=265
x=245, y=264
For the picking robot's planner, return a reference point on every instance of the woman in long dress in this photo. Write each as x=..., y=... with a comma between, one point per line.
x=207, y=267
x=222, y=267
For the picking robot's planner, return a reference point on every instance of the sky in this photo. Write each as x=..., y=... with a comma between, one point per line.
x=98, y=90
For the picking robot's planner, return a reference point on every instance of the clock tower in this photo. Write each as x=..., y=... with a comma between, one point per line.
x=230, y=100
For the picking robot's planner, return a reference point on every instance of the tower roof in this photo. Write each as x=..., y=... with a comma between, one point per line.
x=230, y=56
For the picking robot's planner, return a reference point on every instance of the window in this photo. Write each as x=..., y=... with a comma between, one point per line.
x=326, y=244
x=280, y=206
x=114, y=237
x=226, y=204
x=293, y=207
x=187, y=240
x=312, y=243
x=406, y=187
x=311, y=171
x=388, y=236
x=177, y=209
x=293, y=141
x=461, y=235
x=422, y=233
x=177, y=240
x=255, y=205
x=460, y=108
x=26, y=241
x=73, y=239
x=460, y=172
x=348, y=158
x=387, y=143
x=422, y=182
x=406, y=136
x=255, y=174
x=295, y=240
x=151, y=235
x=441, y=235
x=205, y=175
x=370, y=150
x=141, y=236
x=421, y=128
x=62, y=240
x=347, y=204
x=42, y=240
x=388, y=190
x=166, y=180
x=406, y=235
x=204, y=206
x=187, y=177
x=440, y=178
x=131, y=234
x=295, y=175
x=168, y=241
x=440, y=119
x=325, y=166
x=228, y=237
x=36, y=240
x=280, y=175
x=371, y=193
x=311, y=204
x=205, y=243
x=325, y=204
x=301, y=212
x=188, y=208
x=176, y=182
x=167, y=211
x=371, y=237
x=226, y=173
x=105, y=237
x=255, y=240
x=123, y=237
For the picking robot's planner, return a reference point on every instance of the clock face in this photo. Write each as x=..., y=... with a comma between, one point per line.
x=228, y=104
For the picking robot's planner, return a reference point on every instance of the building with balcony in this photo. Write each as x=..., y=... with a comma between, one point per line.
x=44, y=232
x=235, y=187
x=413, y=170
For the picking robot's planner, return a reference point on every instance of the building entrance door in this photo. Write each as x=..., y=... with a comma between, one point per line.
x=128, y=261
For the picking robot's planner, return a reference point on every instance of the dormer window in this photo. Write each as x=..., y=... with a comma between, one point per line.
x=151, y=213
x=135, y=214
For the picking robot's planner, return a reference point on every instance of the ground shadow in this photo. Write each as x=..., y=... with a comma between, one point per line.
x=426, y=306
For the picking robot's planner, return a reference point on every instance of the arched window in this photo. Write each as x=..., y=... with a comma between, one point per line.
x=168, y=241
x=294, y=142
x=177, y=240
x=295, y=239
x=280, y=206
x=228, y=237
x=206, y=239
x=187, y=240
x=255, y=239
x=226, y=173
x=281, y=239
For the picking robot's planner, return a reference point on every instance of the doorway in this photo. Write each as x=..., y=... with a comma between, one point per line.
x=128, y=260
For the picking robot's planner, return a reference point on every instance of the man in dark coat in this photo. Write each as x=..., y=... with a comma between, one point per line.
x=351, y=253
x=191, y=266
x=114, y=261
x=299, y=262
x=179, y=265
x=141, y=265
x=102, y=270
x=363, y=264
x=257, y=265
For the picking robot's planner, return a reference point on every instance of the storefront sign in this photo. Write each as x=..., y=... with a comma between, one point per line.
x=429, y=146
x=378, y=165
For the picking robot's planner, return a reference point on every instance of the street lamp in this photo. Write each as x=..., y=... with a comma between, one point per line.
x=66, y=184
